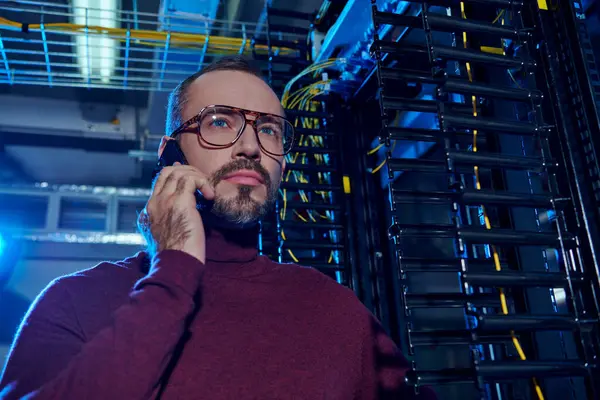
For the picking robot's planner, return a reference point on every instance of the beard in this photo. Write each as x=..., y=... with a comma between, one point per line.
x=242, y=209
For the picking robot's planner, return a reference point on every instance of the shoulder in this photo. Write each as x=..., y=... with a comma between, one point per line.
x=102, y=287
x=105, y=275
x=107, y=269
x=128, y=269
x=88, y=298
x=106, y=284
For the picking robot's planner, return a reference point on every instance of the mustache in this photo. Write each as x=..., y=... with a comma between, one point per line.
x=238, y=165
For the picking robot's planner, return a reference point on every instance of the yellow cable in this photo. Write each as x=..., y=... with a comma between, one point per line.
x=488, y=225
x=375, y=150
x=299, y=99
x=377, y=168
x=311, y=69
x=501, y=13
x=292, y=255
x=300, y=216
x=302, y=99
x=284, y=210
x=295, y=96
x=217, y=44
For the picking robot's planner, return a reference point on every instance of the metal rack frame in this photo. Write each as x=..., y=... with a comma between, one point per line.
x=312, y=223
x=485, y=337
x=40, y=212
x=44, y=53
x=311, y=226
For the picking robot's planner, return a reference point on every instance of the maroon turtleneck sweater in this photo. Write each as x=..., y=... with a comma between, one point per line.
x=238, y=327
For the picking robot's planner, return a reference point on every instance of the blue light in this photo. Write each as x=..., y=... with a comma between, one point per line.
x=9, y=255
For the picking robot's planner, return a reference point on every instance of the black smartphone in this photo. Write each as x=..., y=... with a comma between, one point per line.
x=171, y=154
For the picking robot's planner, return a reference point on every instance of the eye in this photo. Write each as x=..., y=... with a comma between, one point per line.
x=270, y=129
x=267, y=130
x=219, y=122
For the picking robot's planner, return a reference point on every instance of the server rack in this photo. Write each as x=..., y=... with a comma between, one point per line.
x=497, y=280
x=311, y=226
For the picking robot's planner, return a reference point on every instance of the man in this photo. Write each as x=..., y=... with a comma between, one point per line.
x=201, y=315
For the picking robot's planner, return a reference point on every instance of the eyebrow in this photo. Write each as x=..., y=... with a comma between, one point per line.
x=272, y=117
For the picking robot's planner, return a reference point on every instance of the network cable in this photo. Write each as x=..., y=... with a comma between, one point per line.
x=302, y=99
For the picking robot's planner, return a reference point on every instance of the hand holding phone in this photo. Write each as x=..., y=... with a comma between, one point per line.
x=172, y=154
x=175, y=223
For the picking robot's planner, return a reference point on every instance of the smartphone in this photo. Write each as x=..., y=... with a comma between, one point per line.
x=171, y=154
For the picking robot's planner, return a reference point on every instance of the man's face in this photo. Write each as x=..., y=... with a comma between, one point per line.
x=236, y=200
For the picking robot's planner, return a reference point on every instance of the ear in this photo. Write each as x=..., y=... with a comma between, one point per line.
x=283, y=165
x=163, y=143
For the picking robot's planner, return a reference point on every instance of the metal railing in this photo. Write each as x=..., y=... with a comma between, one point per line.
x=150, y=51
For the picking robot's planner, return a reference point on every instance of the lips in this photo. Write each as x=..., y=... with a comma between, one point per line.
x=245, y=177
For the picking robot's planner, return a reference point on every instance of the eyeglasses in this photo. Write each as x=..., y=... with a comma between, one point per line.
x=222, y=126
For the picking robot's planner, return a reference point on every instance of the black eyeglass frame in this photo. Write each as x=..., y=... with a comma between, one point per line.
x=245, y=113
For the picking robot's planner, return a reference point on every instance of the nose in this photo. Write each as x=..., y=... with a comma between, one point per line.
x=247, y=145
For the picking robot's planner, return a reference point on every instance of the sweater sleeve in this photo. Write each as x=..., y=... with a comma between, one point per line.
x=384, y=367
x=51, y=359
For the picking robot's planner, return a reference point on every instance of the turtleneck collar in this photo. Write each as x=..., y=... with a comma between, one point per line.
x=231, y=246
x=234, y=253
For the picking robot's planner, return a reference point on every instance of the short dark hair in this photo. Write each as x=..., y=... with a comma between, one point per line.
x=178, y=96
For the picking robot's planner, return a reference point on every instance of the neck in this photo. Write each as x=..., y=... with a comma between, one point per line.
x=230, y=242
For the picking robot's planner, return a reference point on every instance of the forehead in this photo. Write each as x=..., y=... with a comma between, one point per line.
x=231, y=88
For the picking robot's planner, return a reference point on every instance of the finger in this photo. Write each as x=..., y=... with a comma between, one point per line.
x=191, y=183
x=187, y=184
x=159, y=181
x=171, y=181
x=162, y=177
x=199, y=181
x=170, y=185
x=148, y=214
x=169, y=178
x=155, y=182
x=207, y=190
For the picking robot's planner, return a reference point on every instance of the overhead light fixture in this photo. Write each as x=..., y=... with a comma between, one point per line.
x=96, y=55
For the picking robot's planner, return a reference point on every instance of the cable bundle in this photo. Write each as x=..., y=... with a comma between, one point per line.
x=302, y=99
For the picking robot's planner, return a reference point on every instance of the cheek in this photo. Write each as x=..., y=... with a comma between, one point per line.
x=275, y=170
x=207, y=161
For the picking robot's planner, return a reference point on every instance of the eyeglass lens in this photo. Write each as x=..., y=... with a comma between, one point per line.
x=220, y=126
